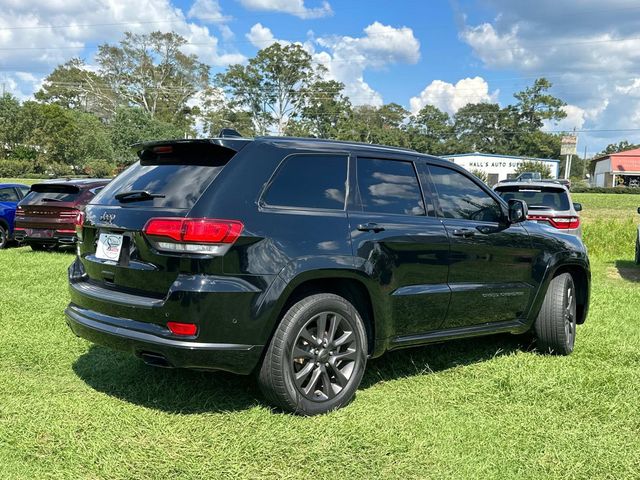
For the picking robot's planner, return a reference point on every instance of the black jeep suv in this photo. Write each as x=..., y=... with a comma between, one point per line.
x=299, y=259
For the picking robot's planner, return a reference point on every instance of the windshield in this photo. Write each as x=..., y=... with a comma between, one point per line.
x=550, y=198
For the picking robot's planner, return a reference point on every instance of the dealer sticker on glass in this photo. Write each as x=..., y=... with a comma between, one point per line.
x=109, y=246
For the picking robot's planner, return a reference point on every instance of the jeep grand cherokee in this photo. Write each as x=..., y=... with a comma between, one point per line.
x=299, y=259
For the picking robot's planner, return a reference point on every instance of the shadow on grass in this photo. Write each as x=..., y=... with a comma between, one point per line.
x=628, y=270
x=189, y=392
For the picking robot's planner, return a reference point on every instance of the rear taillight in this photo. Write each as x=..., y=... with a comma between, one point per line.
x=560, y=222
x=79, y=222
x=193, y=235
x=19, y=212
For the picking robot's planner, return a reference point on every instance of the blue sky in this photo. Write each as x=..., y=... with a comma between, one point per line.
x=412, y=52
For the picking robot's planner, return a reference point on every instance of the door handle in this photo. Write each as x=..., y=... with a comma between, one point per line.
x=370, y=227
x=464, y=232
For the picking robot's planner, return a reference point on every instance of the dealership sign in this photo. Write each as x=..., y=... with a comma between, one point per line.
x=569, y=145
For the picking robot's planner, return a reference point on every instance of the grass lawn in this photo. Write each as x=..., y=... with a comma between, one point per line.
x=484, y=408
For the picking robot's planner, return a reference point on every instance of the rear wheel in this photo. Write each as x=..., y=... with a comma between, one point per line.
x=317, y=356
x=4, y=237
x=555, y=327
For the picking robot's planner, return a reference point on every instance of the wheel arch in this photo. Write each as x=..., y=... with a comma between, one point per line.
x=352, y=285
x=581, y=279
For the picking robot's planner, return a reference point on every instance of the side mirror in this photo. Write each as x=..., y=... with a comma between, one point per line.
x=577, y=207
x=518, y=211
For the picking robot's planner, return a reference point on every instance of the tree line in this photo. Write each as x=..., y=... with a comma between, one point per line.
x=83, y=120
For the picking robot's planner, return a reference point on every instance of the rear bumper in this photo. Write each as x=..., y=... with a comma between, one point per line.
x=58, y=238
x=143, y=339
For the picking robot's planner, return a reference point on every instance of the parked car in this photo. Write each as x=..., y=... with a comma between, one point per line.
x=549, y=203
x=299, y=259
x=46, y=218
x=10, y=195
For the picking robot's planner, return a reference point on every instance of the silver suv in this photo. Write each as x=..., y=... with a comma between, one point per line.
x=549, y=202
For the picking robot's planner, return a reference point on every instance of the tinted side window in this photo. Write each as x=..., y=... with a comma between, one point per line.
x=309, y=181
x=460, y=197
x=8, y=195
x=389, y=186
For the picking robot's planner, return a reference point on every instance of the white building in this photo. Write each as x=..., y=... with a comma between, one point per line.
x=499, y=167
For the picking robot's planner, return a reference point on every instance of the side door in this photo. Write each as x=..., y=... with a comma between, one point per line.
x=398, y=241
x=490, y=269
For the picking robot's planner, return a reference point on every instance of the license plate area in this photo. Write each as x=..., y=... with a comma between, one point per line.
x=109, y=246
x=38, y=233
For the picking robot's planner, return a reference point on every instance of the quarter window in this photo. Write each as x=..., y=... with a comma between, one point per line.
x=460, y=197
x=309, y=181
x=389, y=186
x=8, y=195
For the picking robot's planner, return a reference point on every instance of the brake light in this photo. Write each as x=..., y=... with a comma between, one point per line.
x=560, y=222
x=193, y=235
x=183, y=329
x=20, y=212
x=79, y=222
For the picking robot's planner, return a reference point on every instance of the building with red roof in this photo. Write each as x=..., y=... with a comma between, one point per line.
x=616, y=169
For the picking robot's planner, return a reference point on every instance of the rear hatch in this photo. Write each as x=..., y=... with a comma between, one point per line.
x=165, y=183
x=50, y=206
x=549, y=205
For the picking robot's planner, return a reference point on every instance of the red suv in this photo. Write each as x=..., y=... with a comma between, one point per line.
x=48, y=215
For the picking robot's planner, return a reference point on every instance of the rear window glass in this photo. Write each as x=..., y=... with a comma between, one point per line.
x=43, y=193
x=174, y=178
x=537, y=197
x=309, y=181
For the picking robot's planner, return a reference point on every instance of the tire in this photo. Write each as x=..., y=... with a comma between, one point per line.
x=4, y=237
x=555, y=327
x=328, y=369
x=638, y=250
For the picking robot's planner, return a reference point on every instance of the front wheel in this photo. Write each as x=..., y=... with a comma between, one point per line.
x=555, y=327
x=317, y=356
x=638, y=250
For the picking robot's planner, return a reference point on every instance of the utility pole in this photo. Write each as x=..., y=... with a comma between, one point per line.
x=584, y=163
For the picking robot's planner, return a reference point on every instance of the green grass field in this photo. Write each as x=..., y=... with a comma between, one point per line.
x=487, y=408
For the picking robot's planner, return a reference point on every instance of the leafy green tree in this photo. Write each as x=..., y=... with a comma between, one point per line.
x=380, y=125
x=430, y=131
x=133, y=125
x=61, y=136
x=10, y=137
x=324, y=111
x=535, y=105
x=618, y=147
x=72, y=85
x=273, y=86
x=532, y=166
x=483, y=127
x=150, y=71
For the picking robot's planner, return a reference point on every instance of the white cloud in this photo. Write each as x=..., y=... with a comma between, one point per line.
x=450, y=98
x=262, y=37
x=347, y=58
x=293, y=7
x=589, y=50
x=91, y=22
x=208, y=11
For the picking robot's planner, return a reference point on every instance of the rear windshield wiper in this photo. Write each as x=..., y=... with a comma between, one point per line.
x=137, y=196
